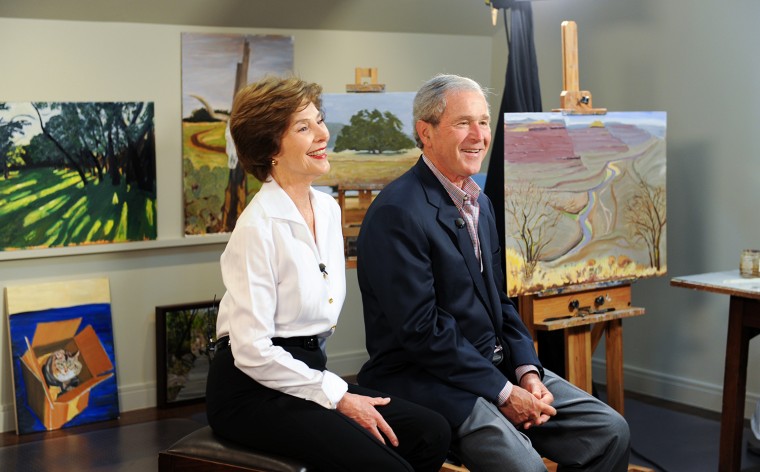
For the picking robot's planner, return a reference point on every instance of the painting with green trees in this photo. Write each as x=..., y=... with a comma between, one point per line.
x=76, y=173
x=371, y=138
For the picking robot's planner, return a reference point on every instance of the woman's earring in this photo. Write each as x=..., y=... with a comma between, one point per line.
x=274, y=162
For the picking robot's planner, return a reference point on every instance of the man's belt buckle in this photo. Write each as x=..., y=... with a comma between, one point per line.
x=498, y=355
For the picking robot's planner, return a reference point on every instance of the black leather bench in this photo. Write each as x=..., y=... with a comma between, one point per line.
x=201, y=450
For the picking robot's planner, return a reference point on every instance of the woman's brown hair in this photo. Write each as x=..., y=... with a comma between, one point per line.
x=261, y=113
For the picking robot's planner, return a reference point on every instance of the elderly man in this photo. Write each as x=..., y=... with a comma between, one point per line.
x=440, y=329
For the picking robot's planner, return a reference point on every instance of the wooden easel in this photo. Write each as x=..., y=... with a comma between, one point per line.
x=584, y=312
x=362, y=85
x=365, y=81
x=573, y=101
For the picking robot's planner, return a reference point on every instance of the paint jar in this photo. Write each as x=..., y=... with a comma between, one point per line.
x=749, y=265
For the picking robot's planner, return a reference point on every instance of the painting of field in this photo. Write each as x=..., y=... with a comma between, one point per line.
x=214, y=68
x=584, y=199
x=371, y=144
x=76, y=173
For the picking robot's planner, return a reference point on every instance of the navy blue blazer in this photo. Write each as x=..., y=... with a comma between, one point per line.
x=431, y=317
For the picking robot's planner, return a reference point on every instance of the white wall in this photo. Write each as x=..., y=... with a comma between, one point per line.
x=697, y=60
x=48, y=60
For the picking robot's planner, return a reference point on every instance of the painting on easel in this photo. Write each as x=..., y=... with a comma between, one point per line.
x=584, y=199
x=371, y=144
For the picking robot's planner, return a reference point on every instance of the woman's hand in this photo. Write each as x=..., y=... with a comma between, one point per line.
x=362, y=410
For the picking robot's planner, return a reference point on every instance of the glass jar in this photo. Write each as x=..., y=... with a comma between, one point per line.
x=749, y=265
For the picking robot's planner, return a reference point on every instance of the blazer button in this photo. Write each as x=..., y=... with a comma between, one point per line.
x=330, y=300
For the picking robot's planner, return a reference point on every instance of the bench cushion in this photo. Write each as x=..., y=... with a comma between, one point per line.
x=205, y=446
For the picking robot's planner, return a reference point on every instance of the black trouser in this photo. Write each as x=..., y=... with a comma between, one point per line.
x=242, y=410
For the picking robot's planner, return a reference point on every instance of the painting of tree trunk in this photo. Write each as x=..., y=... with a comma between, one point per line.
x=76, y=173
x=584, y=199
x=214, y=68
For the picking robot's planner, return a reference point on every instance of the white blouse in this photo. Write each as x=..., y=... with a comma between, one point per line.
x=275, y=288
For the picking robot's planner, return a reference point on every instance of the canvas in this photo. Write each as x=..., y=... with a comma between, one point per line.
x=62, y=354
x=76, y=173
x=371, y=144
x=584, y=199
x=185, y=334
x=214, y=68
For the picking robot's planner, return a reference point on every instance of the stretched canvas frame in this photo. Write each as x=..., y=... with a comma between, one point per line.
x=371, y=144
x=214, y=67
x=49, y=318
x=584, y=199
x=76, y=174
x=184, y=335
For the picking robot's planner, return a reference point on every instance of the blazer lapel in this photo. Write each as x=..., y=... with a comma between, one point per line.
x=447, y=216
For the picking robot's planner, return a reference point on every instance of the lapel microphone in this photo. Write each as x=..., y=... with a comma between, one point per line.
x=459, y=222
x=323, y=268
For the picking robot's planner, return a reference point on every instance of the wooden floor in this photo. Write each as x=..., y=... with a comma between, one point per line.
x=127, y=418
x=550, y=467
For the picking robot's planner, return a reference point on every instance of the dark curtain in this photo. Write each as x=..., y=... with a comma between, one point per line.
x=521, y=94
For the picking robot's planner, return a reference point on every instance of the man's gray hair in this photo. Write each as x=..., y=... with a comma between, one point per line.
x=430, y=100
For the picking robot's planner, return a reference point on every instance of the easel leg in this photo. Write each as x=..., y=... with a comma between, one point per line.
x=578, y=356
x=614, y=351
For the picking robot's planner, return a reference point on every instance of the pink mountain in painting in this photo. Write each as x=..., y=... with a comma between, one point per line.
x=542, y=141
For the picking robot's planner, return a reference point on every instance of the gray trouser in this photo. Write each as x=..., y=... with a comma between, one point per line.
x=585, y=435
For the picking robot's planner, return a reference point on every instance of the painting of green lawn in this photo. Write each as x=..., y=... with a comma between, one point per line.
x=75, y=174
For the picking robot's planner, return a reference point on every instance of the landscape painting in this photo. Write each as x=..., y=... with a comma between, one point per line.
x=584, y=199
x=214, y=68
x=371, y=144
x=76, y=173
x=62, y=354
x=185, y=334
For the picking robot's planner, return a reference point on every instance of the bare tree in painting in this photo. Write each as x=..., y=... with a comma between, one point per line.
x=534, y=217
x=646, y=215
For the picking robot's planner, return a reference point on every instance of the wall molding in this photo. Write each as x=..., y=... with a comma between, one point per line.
x=708, y=396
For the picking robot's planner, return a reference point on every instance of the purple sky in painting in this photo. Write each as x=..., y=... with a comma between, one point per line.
x=209, y=62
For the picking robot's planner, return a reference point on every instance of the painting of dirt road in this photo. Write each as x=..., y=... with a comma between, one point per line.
x=584, y=199
x=214, y=68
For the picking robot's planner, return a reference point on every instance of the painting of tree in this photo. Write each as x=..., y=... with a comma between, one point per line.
x=214, y=68
x=76, y=173
x=584, y=199
x=370, y=145
x=375, y=132
x=184, y=337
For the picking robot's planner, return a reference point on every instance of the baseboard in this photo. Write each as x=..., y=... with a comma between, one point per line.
x=347, y=363
x=707, y=396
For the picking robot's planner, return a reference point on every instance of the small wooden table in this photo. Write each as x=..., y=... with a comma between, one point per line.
x=743, y=325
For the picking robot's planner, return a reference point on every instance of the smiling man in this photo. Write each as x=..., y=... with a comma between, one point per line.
x=440, y=329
